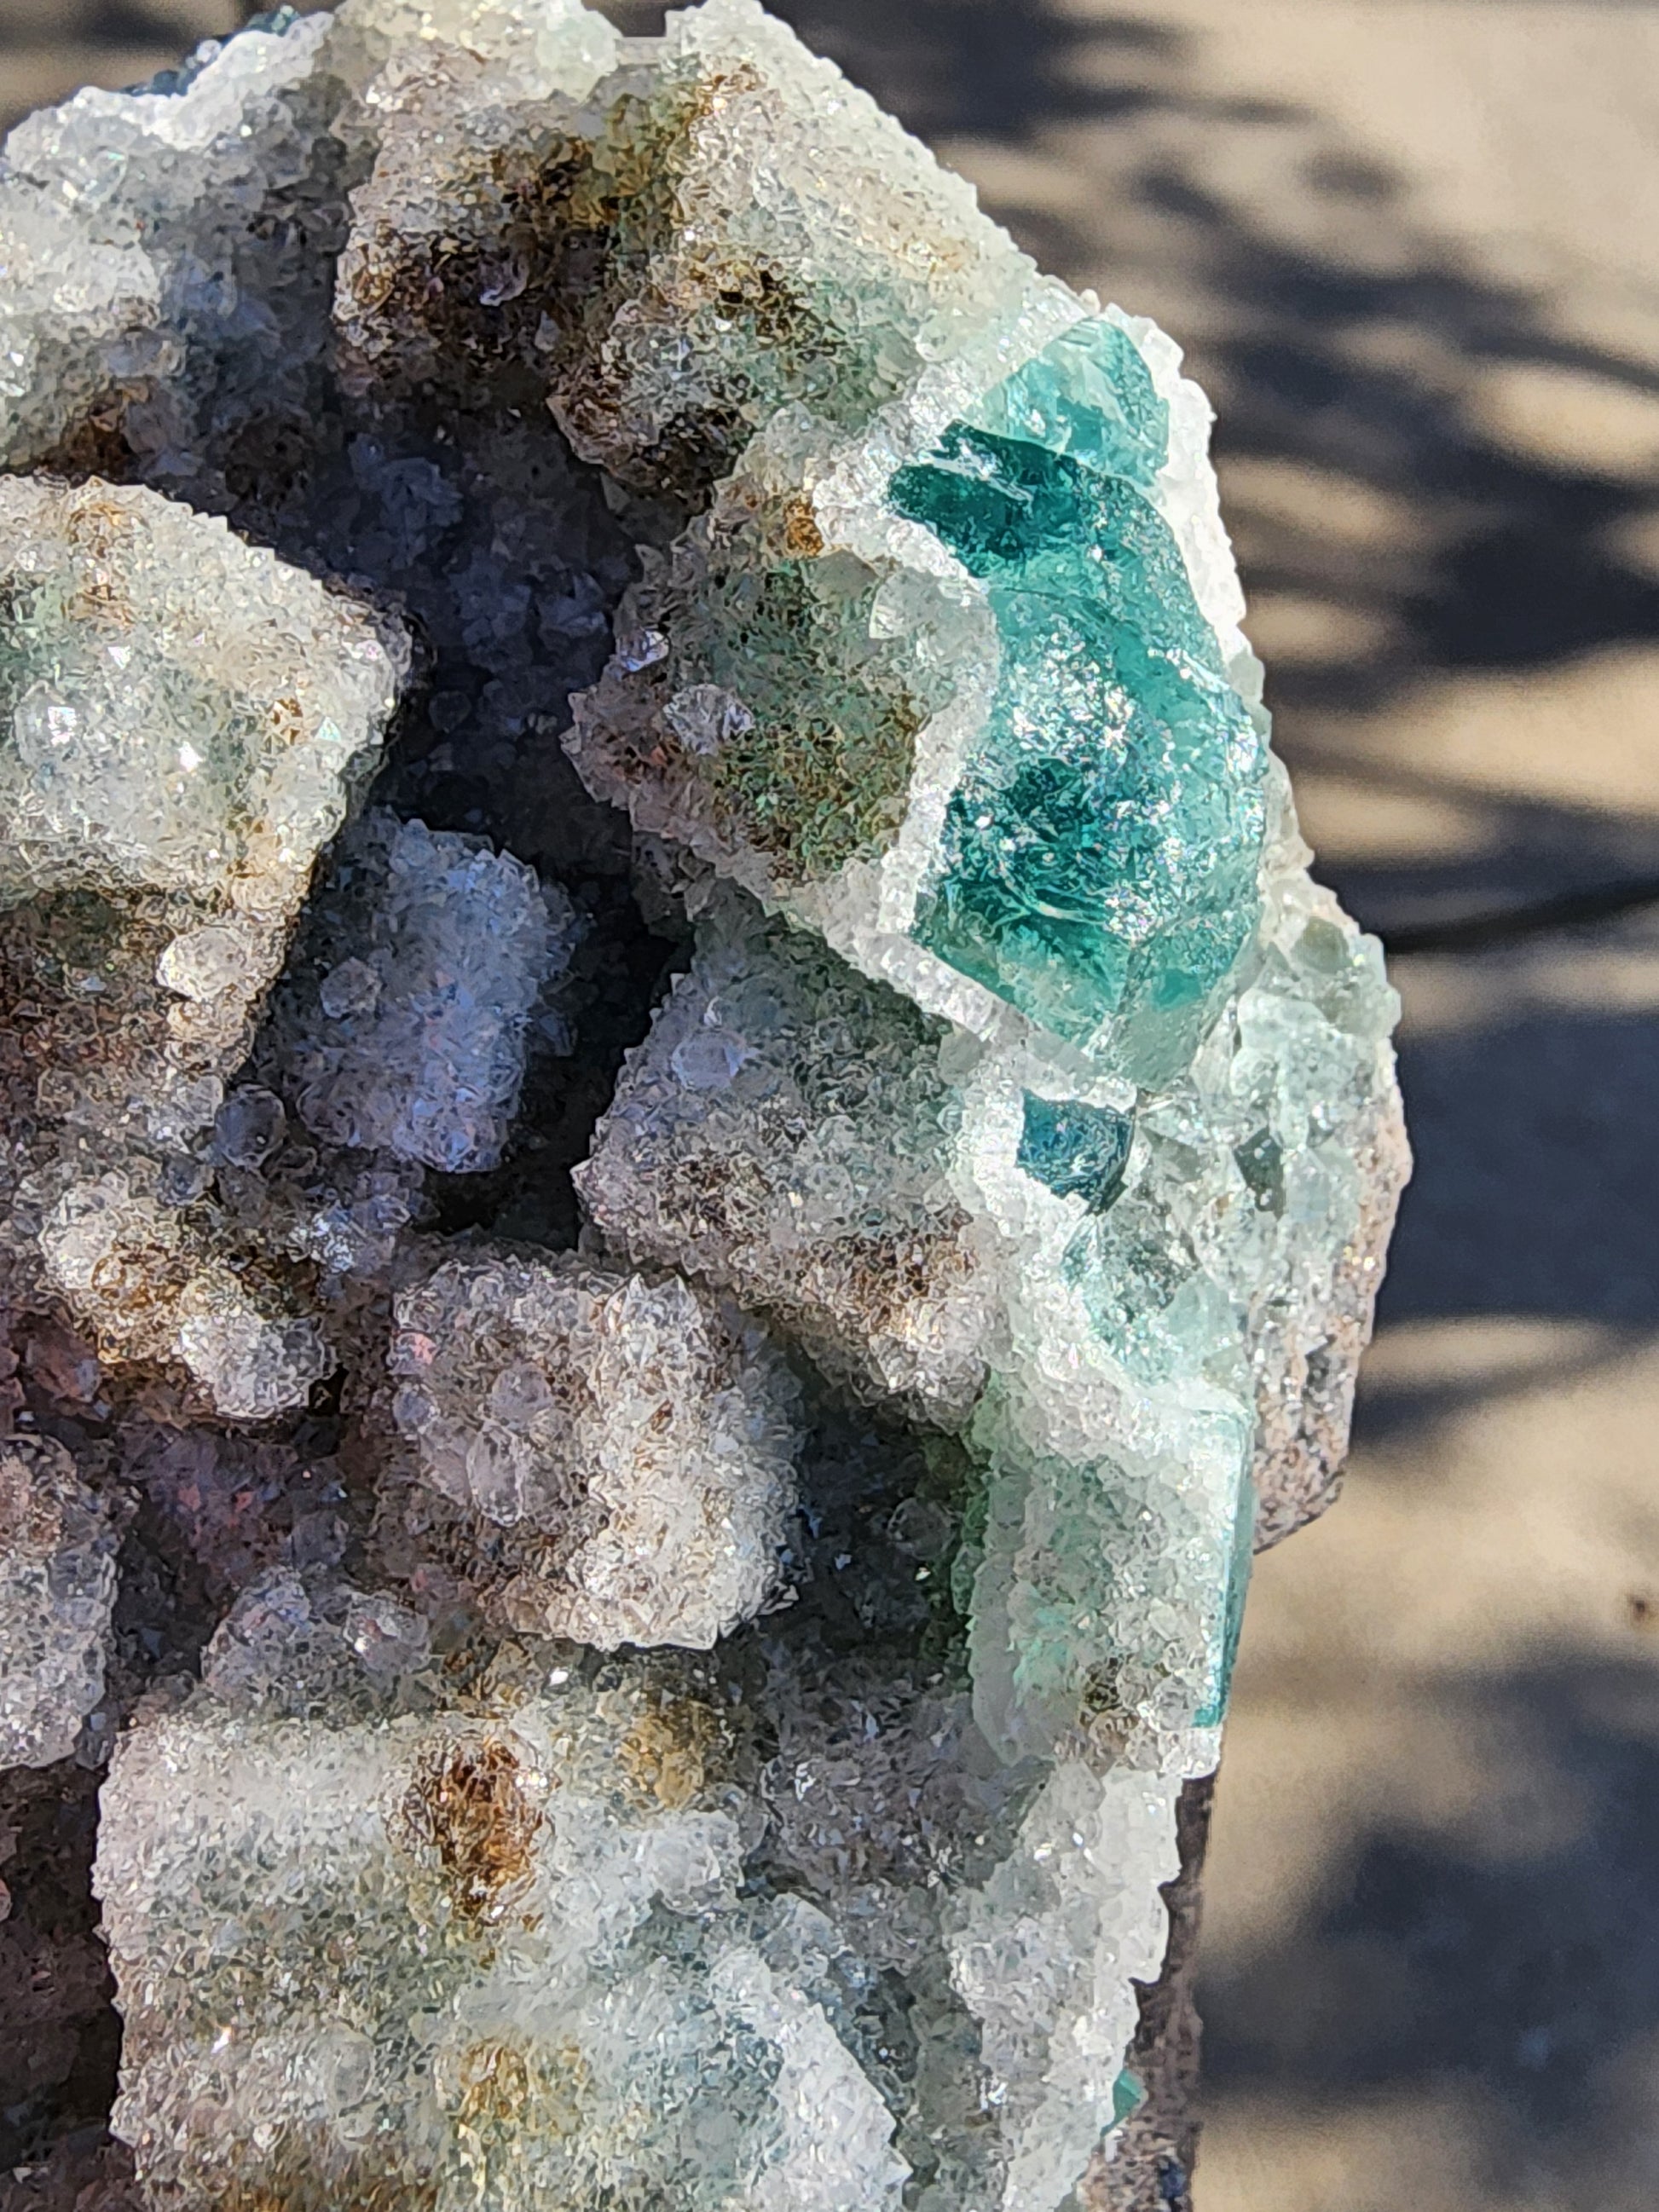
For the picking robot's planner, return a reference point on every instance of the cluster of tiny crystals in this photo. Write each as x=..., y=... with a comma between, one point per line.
x=684, y=1158
x=624, y=1449
x=56, y=1597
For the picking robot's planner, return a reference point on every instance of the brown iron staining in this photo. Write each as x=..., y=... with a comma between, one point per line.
x=840, y=1298
x=702, y=1198
x=96, y=444
x=754, y=339
x=308, y=2170
x=801, y=534
x=816, y=791
x=680, y=1744
x=70, y=965
x=84, y=1026
x=873, y=1286
x=810, y=791
x=560, y=263
x=31, y=1519
x=504, y=2084
x=95, y=528
x=523, y=264
x=452, y=310
x=469, y=1805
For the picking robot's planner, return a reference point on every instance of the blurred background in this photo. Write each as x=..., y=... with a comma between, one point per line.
x=1411, y=248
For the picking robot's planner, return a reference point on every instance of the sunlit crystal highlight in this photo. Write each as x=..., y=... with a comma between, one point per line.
x=427, y=960
x=184, y=722
x=623, y=1447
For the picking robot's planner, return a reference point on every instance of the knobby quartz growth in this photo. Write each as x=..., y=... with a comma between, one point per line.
x=687, y=1159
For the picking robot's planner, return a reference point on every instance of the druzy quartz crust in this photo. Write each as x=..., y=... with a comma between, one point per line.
x=687, y=1159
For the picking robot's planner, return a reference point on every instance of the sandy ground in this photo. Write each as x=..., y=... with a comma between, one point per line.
x=1411, y=247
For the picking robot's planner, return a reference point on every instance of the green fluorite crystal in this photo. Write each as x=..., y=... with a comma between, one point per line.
x=1076, y=1150
x=1100, y=851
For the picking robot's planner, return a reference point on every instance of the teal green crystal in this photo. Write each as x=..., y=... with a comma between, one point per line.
x=1231, y=1618
x=1072, y=1620
x=1075, y=1150
x=1128, y=2095
x=1099, y=856
x=1090, y=395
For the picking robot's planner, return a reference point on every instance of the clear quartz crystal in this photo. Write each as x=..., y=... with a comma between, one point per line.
x=623, y=1446
x=502, y=1943
x=56, y=1594
x=182, y=723
x=798, y=1548
x=406, y=1029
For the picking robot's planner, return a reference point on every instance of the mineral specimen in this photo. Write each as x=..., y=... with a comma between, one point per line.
x=716, y=1288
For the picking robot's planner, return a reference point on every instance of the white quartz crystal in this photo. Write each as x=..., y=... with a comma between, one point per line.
x=407, y=1028
x=182, y=723
x=787, y=1130
x=407, y=1946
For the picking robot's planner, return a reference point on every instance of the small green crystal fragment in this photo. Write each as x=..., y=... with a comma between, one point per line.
x=1147, y=1297
x=1128, y=2095
x=1100, y=851
x=1076, y=1150
x=1213, y=1710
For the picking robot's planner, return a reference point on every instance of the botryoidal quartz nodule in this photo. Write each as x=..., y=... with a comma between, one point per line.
x=670, y=1067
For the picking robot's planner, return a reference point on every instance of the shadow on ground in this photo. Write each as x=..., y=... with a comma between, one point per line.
x=1536, y=1190
x=1523, y=1969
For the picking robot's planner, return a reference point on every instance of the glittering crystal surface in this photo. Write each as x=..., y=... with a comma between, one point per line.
x=425, y=963
x=56, y=1593
x=686, y=1157
x=623, y=1448
x=184, y=719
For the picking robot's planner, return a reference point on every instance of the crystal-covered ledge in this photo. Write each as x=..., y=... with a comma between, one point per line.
x=687, y=1158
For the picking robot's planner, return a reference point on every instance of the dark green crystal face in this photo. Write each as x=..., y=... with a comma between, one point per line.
x=1075, y=1150
x=1099, y=859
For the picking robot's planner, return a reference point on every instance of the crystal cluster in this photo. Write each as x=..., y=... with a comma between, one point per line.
x=622, y=1449
x=787, y=1132
x=412, y=1040
x=184, y=719
x=670, y=1066
x=536, y=1978
x=56, y=1593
